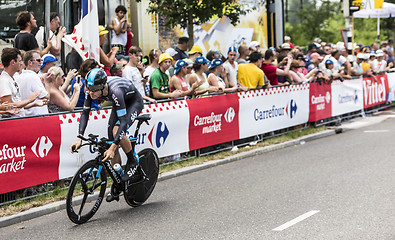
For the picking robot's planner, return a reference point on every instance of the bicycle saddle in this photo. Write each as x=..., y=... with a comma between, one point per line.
x=144, y=117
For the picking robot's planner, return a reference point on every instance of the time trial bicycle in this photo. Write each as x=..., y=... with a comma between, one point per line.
x=88, y=186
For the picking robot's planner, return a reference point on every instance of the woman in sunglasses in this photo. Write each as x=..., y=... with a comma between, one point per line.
x=59, y=101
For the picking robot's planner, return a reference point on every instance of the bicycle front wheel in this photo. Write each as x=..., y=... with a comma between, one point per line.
x=86, y=192
x=137, y=194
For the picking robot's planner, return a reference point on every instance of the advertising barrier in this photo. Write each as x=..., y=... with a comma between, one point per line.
x=213, y=120
x=347, y=97
x=375, y=92
x=263, y=111
x=320, y=101
x=29, y=152
x=37, y=150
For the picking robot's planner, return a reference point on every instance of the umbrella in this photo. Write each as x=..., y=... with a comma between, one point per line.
x=369, y=11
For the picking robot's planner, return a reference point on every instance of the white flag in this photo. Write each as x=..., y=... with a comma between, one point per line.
x=85, y=36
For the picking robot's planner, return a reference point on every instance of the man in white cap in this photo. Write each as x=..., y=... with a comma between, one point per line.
x=253, y=46
x=379, y=65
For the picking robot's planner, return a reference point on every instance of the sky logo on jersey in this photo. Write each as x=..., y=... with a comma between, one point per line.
x=291, y=108
x=42, y=146
x=161, y=134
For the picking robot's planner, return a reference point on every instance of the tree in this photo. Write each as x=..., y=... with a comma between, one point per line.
x=186, y=13
x=325, y=20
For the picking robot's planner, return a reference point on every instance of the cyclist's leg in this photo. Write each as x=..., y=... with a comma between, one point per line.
x=111, y=125
x=132, y=111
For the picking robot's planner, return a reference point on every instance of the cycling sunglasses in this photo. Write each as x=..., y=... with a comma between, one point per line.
x=95, y=88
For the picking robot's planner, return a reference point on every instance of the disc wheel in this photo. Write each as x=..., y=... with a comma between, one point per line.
x=137, y=194
x=86, y=192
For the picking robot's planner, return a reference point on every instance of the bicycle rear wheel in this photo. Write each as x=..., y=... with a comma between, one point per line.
x=137, y=194
x=86, y=192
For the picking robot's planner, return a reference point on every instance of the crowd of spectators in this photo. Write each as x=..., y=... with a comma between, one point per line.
x=34, y=82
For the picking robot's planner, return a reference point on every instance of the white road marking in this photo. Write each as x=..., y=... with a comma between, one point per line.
x=296, y=220
x=375, y=131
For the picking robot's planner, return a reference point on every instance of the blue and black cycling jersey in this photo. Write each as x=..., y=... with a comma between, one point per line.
x=127, y=104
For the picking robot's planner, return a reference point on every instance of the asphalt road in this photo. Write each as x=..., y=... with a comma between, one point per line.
x=339, y=187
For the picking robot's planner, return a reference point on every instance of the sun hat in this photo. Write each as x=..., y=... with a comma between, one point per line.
x=201, y=60
x=285, y=46
x=379, y=53
x=316, y=56
x=361, y=56
x=102, y=30
x=232, y=49
x=328, y=61
x=254, y=44
x=163, y=57
x=183, y=39
x=189, y=62
x=216, y=62
x=195, y=49
x=47, y=58
x=171, y=52
x=179, y=64
x=302, y=57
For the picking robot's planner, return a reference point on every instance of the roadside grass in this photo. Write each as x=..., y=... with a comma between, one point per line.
x=60, y=193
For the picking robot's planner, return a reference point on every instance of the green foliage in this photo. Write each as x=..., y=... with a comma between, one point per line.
x=325, y=20
x=314, y=21
x=186, y=13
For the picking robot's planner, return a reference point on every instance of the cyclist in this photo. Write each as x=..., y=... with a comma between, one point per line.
x=127, y=104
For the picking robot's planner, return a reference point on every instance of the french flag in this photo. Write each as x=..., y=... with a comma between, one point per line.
x=85, y=36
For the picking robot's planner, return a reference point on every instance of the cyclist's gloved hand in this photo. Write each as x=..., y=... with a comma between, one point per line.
x=75, y=146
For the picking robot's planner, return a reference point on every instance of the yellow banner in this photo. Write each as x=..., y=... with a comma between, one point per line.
x=378, y=3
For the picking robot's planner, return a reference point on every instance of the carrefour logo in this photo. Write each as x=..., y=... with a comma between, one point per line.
x=42, y=146
x=275, y=112
x=291, y=108
x=229, y=115
x=348, y=98
x=158, y=138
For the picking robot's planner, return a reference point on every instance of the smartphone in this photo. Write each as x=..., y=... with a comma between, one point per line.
x=78, y=79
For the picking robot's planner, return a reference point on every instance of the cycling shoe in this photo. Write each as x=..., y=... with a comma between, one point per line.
x=111, y=198
x=133, y=173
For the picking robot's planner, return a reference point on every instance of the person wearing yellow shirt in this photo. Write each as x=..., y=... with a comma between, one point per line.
x=250, y=75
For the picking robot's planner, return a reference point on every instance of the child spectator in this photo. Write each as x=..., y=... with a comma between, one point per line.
x=119, y=36
x=132, y=72
x=129, y=37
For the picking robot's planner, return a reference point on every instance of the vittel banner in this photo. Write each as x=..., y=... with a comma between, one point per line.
x=268, y=110
x=320, y=101
x=213, y=120
x=29, y=152
x=375, y=92
x=347, y=96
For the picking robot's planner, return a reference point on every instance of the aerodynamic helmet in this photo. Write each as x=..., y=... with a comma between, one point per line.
x=96, y=79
